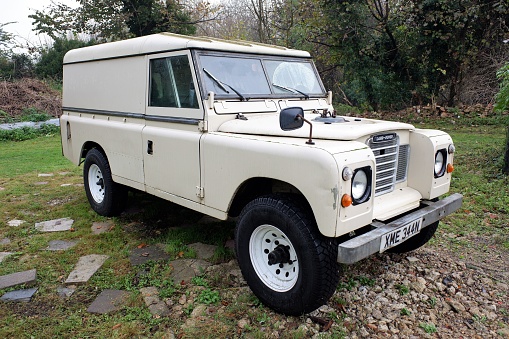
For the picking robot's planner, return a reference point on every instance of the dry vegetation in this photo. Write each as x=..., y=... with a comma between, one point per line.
x=26, y=93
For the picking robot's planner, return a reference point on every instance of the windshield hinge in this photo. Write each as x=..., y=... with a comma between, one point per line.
x=240, y=116
x=200, y=193
x=203, y=126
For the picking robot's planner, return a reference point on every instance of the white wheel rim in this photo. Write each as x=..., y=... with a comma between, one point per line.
x=278, y=277
x=96, y=183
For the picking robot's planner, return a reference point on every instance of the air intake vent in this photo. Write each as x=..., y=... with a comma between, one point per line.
x=403, y=156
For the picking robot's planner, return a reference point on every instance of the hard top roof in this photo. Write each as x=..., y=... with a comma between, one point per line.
x=164, y=42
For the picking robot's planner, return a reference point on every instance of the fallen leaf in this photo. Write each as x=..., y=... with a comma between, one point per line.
x=372, y=326
x=146, y=254
x=142, y=245
x=327, y=326
x=116, y=326
x=180, y=254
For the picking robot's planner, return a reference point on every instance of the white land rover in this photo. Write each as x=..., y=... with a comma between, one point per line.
x=234, y=128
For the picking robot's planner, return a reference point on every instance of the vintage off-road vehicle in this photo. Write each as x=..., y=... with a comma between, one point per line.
x=241, y=129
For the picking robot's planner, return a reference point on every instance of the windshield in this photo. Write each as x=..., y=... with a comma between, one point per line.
x=248, y=77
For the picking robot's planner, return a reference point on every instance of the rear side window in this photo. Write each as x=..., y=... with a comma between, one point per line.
x=171, y=83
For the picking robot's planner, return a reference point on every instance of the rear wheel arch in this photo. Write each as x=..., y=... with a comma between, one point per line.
x=87, y=147
x=105, y=196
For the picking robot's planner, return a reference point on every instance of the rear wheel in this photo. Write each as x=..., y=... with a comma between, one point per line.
x=417, y=240
x=287, y=263
x=104, y=195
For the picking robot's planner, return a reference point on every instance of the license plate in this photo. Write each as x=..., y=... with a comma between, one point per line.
x=400, y=235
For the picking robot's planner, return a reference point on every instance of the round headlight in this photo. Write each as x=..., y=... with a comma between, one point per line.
x=439, y=163
x=359, y=185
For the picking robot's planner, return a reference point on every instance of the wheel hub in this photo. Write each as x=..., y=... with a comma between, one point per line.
x=280, y=255
x=96, y=183
x=274, y=258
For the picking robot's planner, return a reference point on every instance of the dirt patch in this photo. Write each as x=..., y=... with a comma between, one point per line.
x=15, y=96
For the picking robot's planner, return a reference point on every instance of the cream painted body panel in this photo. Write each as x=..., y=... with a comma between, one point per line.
x=425, y=143
x=174, y=165
x=228, y=160
x=120, y=139
x=268, y=124
x=117, y=85
x=164, y=42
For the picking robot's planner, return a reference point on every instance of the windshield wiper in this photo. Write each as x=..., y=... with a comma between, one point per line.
x=222, y=85
x=293, y=90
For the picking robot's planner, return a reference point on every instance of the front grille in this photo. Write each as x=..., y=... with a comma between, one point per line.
x=391, y=161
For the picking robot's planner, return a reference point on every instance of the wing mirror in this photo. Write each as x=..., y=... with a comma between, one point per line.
x=292, y=118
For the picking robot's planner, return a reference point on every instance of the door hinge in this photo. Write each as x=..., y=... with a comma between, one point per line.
x=199, y=192
x=203, y=126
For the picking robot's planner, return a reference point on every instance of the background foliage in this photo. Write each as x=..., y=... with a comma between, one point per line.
x=374, y=54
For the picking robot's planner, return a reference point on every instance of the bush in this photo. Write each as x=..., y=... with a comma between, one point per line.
x=27, y=133
x=35, y=115
x=502, y=98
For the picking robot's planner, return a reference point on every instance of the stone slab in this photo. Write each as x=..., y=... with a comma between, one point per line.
x=42, y=175
x=203, y=251
x=142, y=255
x=19, y=295
x=18, y=278
x=40, y=183
x=60, y=245
x=186, y=269
x=56, y=225
x=4, y=255
x=85, y=268
x=5, y=241
x=102, y=227
x=15, y=222
x=65, y=292
x=155, y=305
x=108, y=301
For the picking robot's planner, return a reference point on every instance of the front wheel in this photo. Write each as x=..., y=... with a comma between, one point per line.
x=105, y=196
x=288, y=264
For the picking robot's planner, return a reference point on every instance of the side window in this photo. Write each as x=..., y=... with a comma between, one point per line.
x=171, y=83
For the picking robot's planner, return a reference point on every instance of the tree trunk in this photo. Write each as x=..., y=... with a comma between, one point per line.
x=506, y=156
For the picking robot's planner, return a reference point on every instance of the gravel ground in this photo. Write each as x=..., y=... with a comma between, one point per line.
x=428, y=293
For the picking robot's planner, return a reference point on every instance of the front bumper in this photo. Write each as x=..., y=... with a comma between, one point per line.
x=368, y=243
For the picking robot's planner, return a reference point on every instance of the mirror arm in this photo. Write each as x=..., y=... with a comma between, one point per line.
x=310, y=141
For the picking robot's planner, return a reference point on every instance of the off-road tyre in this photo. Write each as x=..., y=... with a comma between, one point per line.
x=417, y=240
x=105, y=196
x=300, y=286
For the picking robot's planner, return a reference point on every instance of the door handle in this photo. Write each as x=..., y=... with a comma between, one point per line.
x=150, y=147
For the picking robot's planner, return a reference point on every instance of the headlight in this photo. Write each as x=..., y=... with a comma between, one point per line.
x=361, y=185
x=440, y=161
